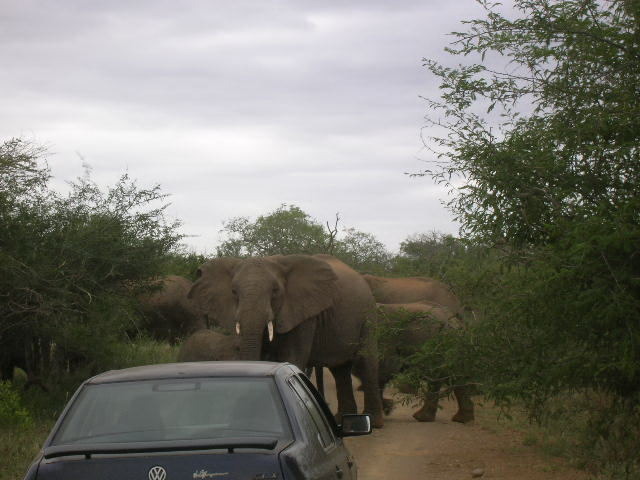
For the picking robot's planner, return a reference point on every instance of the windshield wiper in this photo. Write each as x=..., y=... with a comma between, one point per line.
x=230, y=444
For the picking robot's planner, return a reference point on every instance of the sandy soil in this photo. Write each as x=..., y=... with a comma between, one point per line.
x=407, y=449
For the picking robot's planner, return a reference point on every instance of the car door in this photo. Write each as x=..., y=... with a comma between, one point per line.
x=334, y=459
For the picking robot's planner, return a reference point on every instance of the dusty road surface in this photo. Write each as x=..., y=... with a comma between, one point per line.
x=407, y=449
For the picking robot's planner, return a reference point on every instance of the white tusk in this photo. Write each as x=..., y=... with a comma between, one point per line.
x=238, y=328
x=270, y=328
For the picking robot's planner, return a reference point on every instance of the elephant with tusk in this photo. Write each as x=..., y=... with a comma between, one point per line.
x=319, y=308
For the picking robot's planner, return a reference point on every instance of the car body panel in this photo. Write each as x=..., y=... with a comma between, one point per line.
x=191, y=465
x=307, y=455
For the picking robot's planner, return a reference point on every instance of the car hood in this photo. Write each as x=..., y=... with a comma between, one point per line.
x=205, y=464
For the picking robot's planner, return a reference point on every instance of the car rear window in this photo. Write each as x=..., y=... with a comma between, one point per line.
x=189, y=409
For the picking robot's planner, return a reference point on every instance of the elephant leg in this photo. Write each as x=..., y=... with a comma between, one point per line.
x=372, y=393
x=387, y=405
x=465, y=405
x=344, y=390
x=430, y=406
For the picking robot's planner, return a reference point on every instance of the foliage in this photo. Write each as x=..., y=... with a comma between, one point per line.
x=12, y=412
x=289, y=230
x=182, y=262
x=429, y=254
x=19, y=446
x=362, y=251
x=142, y=351
x=68, y=263
x=556, y=186
x=23, y=436
x=576, y=64
x=424, y=363
x=543, y=161
x=284, y=231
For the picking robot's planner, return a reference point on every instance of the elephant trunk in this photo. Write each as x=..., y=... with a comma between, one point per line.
x=251, y=347
x=251, y=336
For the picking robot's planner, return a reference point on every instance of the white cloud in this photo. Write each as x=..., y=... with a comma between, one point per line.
x=236, y=107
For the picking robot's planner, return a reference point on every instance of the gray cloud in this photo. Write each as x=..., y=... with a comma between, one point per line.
x=236, y=107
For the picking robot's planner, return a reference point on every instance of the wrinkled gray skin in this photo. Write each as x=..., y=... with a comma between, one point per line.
x=319, y=309
x=413, y=289
x=426, y=321
x=208, y=345
x=168, y=314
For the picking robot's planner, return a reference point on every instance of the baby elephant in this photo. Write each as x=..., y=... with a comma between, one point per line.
x=205, y=345
x=403, y=328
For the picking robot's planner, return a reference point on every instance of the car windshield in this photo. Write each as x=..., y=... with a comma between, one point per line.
x=189, y=409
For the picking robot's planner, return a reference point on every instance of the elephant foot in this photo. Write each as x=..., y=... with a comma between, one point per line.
x=387, y=405
x=425, y=415
x=377, y=421
x=463, y=416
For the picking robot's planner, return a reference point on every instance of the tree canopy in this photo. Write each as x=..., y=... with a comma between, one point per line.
x=67, y=262
x=284, y=231
x=289, y=230
x=558, y=142
x=542, y=159
x=554, y=177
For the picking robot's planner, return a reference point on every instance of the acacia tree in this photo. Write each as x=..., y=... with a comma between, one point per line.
x=542, y=158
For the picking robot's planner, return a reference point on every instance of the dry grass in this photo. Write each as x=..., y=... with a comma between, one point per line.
x=19, y=446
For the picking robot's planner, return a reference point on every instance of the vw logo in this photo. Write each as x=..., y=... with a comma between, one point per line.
x=157, y=473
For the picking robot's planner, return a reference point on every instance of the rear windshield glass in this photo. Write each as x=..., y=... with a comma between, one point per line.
x=193, y=409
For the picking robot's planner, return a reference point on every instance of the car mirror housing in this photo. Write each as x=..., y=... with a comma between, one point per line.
x=354, y=425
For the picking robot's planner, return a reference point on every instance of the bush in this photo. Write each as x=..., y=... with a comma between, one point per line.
x=12, y=412
x=70, y=265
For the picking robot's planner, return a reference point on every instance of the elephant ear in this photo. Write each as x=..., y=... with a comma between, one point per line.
x=310, y=289
x=211, y=292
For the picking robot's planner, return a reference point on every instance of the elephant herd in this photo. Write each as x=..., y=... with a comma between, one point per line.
x=309, y=310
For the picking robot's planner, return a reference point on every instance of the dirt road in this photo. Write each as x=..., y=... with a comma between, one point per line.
x=407, y=449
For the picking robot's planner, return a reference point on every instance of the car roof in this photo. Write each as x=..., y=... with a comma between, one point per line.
x=190, y=370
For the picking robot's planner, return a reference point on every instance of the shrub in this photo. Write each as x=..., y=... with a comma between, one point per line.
x=12, y=412
x=69, y=265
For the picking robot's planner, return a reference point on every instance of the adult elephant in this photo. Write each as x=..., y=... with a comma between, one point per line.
x=403, y=328
x=318, y=306
x=413, y=289
x=168, y=313
x=209, y=345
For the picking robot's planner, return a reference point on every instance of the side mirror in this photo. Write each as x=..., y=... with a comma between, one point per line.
x=354, y=425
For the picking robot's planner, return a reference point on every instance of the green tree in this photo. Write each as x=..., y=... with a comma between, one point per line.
x=543, y=161
x=576, y=65
x=362, y=251
x=284, y=231
x=289, y=230
x=68, y=263
x=429, y=254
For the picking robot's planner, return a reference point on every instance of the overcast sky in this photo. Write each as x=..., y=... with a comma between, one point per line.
x=235, y=107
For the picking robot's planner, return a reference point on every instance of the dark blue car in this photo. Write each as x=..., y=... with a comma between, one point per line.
x=199, y=421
